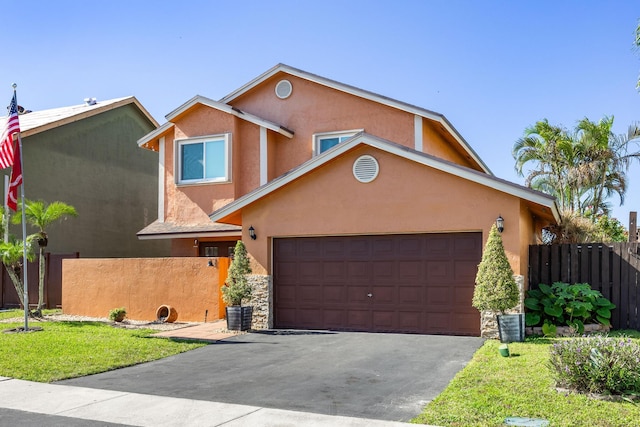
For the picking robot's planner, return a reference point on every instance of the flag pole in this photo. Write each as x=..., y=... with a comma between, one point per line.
x=24, y=233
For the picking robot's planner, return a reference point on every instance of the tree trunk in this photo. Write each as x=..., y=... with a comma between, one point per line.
x=17, y=283
x=41, y=272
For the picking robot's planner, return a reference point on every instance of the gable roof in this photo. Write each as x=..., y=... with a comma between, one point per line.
x=39, y=121
x=481, y=178
x=431, y=115
x=202, y=100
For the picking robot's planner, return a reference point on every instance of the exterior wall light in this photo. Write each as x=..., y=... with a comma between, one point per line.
x=500, y=223
x=252, y=233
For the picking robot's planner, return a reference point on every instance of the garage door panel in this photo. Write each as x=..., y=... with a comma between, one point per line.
x=384, y=271
x=420, y=283
x=334, y=319
x=309, y=294
x=384, y=321
x=358, y=249
x=384, y=295
x=309, y=272
x=410, y=295
x=439, y=296
x=333, y=272
x=439, y=247
x=359, y=272
x=439, y=271
x=411, y=270
x=358, y=320
x=334, y=294
x=308, y=317
x=465, y=271
x=410, y=247
x=357, y=294
x=383, y=248
x=286, y=294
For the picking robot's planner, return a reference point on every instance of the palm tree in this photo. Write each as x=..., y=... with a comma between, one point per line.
x=605, y=161
x=12, y=255
x=40, y=215
x=551, y=149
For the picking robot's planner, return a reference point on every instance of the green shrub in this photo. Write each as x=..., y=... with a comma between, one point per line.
x=562, y=304
x=597, y=364
x=117, y=314
x=495, y=289
x=237, y=286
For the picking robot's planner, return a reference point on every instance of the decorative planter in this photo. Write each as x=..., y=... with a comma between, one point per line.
x=511, y=327
x=239, y=318
x=166, y=313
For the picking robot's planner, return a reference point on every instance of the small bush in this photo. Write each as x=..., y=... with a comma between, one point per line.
x=598, y=364
x=562, y=304
x=117, y=314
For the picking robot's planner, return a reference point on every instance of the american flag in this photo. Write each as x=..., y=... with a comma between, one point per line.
x=6, y=140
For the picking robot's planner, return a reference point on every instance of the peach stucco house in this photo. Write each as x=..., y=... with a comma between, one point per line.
x=368, y=213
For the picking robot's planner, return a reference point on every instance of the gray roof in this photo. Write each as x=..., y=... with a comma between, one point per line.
x=40, y=121
x=169, y=230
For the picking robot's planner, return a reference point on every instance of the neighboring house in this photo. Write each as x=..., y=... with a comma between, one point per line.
x=367, y=213
x=86, y=155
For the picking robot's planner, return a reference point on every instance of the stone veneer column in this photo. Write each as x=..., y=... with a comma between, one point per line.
x=261, y=301
x=488, y=320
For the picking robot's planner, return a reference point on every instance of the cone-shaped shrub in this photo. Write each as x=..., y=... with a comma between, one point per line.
x=495, y=289
x=237, y=287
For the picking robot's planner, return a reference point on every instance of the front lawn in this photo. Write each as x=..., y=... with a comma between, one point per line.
x=73, y=349
x=491, y=388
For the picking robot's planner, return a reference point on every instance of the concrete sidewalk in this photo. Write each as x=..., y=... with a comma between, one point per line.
x=37, y=400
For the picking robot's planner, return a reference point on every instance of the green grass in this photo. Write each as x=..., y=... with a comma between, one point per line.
x=73, y=349
x=491, y=388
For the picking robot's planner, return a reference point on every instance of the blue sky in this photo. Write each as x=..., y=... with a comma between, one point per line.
x=491, y=67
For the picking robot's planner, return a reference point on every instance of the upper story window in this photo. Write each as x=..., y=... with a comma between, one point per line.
x=206, y=159
x=323, y=141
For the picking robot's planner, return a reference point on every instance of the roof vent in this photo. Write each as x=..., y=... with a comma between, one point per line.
x=284, y=89
x=366, y=168
x=90, y=101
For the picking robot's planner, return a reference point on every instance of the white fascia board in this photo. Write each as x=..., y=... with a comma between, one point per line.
x=229, y=110
x=371, y=96
x=154, y=134
x=462, y=172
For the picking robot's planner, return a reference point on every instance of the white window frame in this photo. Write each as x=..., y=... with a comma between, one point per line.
x=226, y=137
x=317, y=137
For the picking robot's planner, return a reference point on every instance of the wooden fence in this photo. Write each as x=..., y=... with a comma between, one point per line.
x=52, y=283
x=611, y=269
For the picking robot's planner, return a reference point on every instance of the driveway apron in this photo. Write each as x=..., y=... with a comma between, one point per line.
x=381, y=376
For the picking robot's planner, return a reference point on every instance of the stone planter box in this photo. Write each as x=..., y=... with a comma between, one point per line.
x=567, y=331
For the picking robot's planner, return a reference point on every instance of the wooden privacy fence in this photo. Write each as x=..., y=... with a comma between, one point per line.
x=611, y=268
x=52, y=283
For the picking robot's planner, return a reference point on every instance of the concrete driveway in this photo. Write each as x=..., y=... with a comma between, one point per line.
x=381, y=376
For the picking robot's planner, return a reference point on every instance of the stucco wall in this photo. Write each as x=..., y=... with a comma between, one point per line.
x=95, y=165
x=405, y=198
x=92, y=287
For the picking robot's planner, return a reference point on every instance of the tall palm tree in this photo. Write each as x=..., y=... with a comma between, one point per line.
x=40, y=215
x=606, y=158
x=551, y=149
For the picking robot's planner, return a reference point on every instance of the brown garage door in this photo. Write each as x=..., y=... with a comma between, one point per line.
x=415, y=283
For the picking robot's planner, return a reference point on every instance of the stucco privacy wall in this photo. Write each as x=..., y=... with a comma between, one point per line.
x=330, y=201
x=93, y=287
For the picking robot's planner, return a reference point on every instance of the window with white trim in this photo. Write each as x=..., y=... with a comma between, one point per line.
x=326, y=140
x=205, y=159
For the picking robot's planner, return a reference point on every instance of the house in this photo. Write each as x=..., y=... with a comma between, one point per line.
x=360, y=212
x=86, y=155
